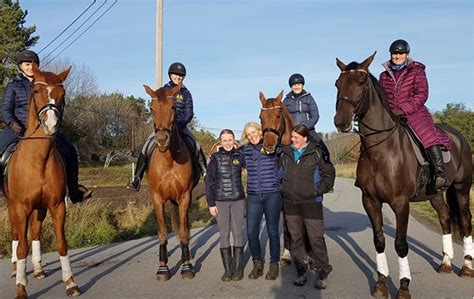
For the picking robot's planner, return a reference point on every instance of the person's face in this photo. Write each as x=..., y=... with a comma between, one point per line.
x=399, y=58
x=297, y=88
x=176, y=78
x=254, y=135
x=27, y=68
x=227, y=141
x=298, y=141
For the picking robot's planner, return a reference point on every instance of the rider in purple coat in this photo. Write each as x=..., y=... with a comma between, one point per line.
x=404, y=81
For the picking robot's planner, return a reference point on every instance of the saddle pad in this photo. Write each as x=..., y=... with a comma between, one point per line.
x=419, y=156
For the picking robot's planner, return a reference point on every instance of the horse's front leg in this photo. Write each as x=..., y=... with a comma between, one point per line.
x=187, y=270
x=36, y=222
x=373, y=209
x=402, y=209
x=19, y=220
x=442, y=209
x=58, y=215
x=163, y=272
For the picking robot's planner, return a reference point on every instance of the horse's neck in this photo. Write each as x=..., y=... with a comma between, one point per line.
x=286, y=138
x=37, y=144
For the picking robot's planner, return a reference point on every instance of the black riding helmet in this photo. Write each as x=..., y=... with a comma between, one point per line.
x=177, y=68
x=400, y=46
x=27, y=56
x=295, y=79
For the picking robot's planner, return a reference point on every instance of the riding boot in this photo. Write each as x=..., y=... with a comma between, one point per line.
x=436, y=156
x=134, y=184
x=77, y=193
x=301, y=272
x=202, y=161
x=227, y=262
x=238, y=270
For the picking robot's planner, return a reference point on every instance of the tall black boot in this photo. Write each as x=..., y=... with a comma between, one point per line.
x=238, y=270
x=436, y=157
x=227, y=262
x=202, y=161
x=134, y=184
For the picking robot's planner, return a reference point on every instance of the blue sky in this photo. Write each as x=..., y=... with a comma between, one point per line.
x=234, y=49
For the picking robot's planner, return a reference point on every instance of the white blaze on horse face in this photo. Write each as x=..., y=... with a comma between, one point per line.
x=51, y=117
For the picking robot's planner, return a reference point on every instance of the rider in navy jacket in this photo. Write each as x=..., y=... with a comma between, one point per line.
x=15, y=113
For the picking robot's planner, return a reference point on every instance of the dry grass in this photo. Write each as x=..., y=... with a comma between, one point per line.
x=346, y=170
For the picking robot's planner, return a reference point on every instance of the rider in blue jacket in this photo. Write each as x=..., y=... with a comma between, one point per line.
x=15, y=113
x=184, y=114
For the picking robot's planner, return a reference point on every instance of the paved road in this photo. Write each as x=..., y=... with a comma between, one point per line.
x=127, y=270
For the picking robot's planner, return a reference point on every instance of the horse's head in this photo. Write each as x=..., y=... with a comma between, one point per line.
x=47, y=98
x=352, y=86
x=272, y=121
x=164, y=113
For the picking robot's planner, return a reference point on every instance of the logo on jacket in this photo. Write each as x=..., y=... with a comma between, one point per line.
x=179, y=98
x=262, y=150
x=235, y=162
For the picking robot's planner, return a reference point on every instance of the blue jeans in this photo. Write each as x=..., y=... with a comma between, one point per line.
x=257, y=205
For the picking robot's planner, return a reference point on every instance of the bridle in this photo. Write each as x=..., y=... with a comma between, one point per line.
x=358, y=115
x=171, y=128
x=45, y=108
x=281, y=129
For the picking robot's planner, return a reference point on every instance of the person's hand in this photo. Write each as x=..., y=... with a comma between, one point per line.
x=16, y=127
x=213, y=211
x=398, y=112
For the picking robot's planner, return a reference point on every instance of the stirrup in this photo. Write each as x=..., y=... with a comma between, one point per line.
x=134, y=184
x=86, y=193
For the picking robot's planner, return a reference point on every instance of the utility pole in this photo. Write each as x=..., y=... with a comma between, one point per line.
x=159, y=43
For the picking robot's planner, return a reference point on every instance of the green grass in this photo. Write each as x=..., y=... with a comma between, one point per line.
x=106, y=177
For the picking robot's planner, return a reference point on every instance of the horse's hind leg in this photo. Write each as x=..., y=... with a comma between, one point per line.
x=36, y=222
x=58, y=214
x=373, y=209
x=460, y=192
x=187, y=270
x=448, y=251
x=163, y=271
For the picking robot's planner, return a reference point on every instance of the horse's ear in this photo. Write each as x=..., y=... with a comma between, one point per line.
x=149, y=91
x=176, y=89
x=365, y=64
x=279, y=97
x=340, y=64
x=36, y=71
x=63, y=75
x=262, y=98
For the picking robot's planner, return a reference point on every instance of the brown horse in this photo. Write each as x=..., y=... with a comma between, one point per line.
x=388, y=172
x=276, y=123
x=37, y=178
x=170, y=177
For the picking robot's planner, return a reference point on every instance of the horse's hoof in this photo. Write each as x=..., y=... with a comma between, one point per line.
x=21, y=292
x=73, y=291
x=39, y=275
x=285, y=262
x=163, y=277
x=445, y=269
x=466, y=272
x=403, y=294
x=187, y=271
x=21, y=296
x=380, y=291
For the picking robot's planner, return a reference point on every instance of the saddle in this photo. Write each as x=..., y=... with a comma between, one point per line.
x=420, y=153
x=5, y=158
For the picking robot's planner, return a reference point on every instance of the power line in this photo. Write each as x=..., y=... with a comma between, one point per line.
x=68, y=26
x=79, y=27
x=83, y=32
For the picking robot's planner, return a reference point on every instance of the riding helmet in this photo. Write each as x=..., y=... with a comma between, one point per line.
x=177, y=68
x=27, y=56
x=400, y=46
x=295, y=79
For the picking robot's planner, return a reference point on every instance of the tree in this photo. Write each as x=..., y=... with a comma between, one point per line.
x=14, y=37
x=460, y=117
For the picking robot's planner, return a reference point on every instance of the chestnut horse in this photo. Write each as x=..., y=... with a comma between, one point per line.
x=170, y=177
x=388, y=172
x=37, y=178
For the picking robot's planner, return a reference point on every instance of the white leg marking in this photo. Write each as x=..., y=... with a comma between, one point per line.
x=36, y=258
x=382, y=265
x=14, y=248
x=448, y=245
x=403, y=268
x=65, y=267
x=21, y=272
x=468, y=248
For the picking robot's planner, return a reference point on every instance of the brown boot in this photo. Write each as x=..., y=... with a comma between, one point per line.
x=257, y=270
x=273, y=272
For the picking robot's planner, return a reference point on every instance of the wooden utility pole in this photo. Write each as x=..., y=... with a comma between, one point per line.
x=159, y=43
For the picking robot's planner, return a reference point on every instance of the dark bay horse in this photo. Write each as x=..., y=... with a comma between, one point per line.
x=388, y=172
x=170, y=177
x=37, y=178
